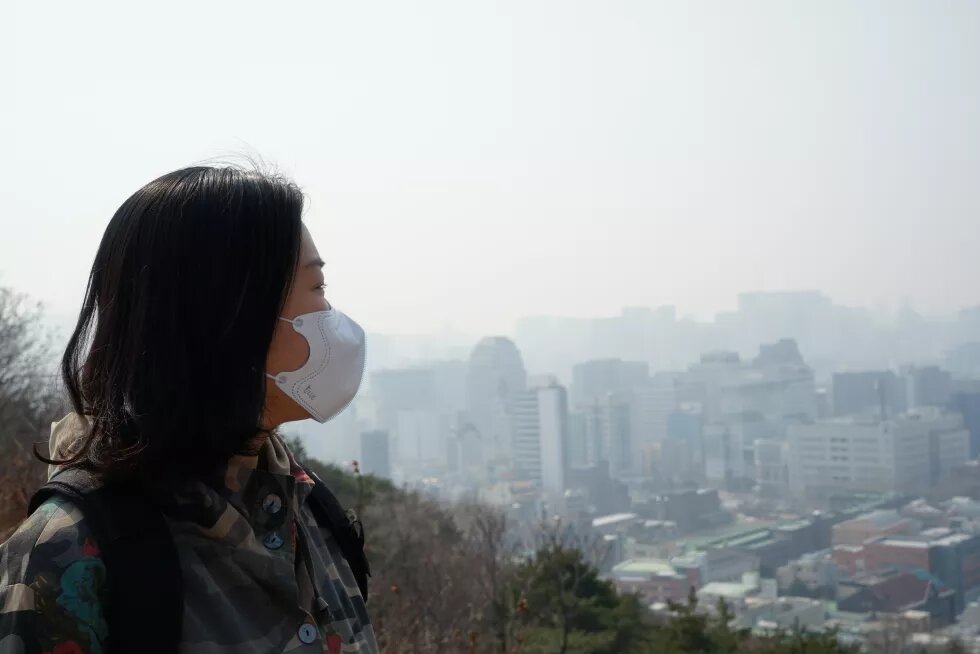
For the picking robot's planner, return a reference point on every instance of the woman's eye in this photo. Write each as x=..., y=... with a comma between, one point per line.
x=322, y=286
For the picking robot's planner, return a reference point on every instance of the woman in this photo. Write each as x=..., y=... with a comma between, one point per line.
x=205, y=326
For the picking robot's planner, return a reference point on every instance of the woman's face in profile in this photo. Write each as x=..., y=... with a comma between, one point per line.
x=289, y=350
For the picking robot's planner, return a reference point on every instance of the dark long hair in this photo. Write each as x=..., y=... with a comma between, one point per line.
x=168, y=358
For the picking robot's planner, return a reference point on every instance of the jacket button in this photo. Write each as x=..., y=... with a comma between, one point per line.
x=307, y=633
x=272, y=540
x=272, y=504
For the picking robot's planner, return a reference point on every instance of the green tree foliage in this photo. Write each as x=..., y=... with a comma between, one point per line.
x=566, y=606
x=692, y=630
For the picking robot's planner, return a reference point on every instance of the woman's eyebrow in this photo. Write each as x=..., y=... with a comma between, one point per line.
x=315, y=263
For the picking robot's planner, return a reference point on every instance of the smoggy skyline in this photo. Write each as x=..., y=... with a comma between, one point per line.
x=467, y=164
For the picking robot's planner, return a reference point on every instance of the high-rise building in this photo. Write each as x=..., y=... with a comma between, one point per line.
x=417, y=407
x=449, y=382
x=597, y=378
x=704, y=380
x=652, y=404
x=338, y=440
x=745, y=403
x=968, y=324
x=375, y=453
x=637, y=334
x=608, y=424
x=964, y=360
x=540, y=435
x=949, y=444
x=909, y=453
x=776, y=314
x=619, y=435
x=577, y=446
x=729, y=455
x=682, y=452
x=776, y=385
x=928, y=386
x=965, y=400
x=771, y=468
x=596, y=448
x=402, y=389
x=494, y=378
x=878, y=392
x=420, y=442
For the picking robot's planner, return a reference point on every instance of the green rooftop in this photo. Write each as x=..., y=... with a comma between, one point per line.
x=644, y=567
x=716, y=537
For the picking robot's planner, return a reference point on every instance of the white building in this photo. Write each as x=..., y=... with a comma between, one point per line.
x=950, y=441
x=771, y=474
x=733, y=593
x=495, y=375
x=421, y=441
x=779, y=393
x=777, y=385
x=815, y=570
x=751, y=402
x=599, y=377
x=418, y=406
x=609, y=434
x=540, y=431
x=729, y=446
x=782, y=614
x=724, y=456
x=908, y=454
x=719, y=564
x=754, y=604
x=650, y=407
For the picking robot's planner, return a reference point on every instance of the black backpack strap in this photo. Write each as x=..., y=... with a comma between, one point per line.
x=345, y=527
x=145, y=607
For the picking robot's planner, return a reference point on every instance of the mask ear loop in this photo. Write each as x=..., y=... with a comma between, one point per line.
x=295, y=323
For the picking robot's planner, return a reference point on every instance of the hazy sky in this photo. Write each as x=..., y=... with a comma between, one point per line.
x=470, y=162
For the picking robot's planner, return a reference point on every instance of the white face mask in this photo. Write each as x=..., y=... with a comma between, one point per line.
x=329, y=379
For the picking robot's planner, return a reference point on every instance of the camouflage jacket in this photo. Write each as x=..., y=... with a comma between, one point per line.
x=259, y=574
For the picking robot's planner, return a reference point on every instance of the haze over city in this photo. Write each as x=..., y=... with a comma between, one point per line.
x=677, y=298
x=468, y=164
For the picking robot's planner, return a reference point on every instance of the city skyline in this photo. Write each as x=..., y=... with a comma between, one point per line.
x=64, y=321
x=466, y=166
x=670, y=310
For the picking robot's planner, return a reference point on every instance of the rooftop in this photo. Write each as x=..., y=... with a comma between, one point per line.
x=943, y=539
x=606, y=520
x=801, y=523
x=643, y=568
x=727, y=589
x=720, y=536
x=905, y=542
x=878, y=517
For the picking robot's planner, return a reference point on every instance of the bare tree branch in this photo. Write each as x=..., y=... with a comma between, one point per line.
x=29, y=401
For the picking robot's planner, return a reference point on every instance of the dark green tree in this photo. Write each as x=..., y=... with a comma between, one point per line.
x=567, y=604
x=690, y=630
